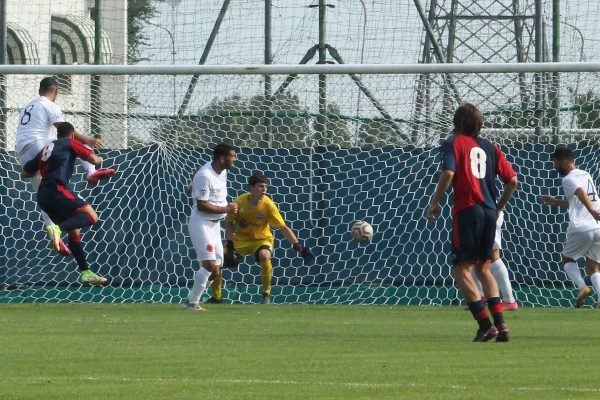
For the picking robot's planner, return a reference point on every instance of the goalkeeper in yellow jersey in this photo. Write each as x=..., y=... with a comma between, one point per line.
x=249, y=232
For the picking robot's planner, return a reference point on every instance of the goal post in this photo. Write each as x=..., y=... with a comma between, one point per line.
x=366, y=151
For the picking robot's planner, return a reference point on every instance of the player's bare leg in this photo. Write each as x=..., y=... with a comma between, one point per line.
x=490, y=289
x=464, y=280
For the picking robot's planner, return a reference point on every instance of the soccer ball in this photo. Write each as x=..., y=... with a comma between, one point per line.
x=362, y=231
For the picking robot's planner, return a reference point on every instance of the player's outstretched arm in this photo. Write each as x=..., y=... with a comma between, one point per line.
x=304, y=251
x=551, y=201
x=88, y=140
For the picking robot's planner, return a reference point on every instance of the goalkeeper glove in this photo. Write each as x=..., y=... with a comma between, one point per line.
x=307, y=255
x=231, y=258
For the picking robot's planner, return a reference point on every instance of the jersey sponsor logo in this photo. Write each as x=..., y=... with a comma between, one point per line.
x=203, y=191
x=210, y=248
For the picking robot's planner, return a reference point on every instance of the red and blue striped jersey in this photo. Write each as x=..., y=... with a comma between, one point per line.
x=57, y=160
x=475, y=162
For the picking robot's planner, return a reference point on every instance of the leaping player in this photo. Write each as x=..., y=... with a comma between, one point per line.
x=55, y=163
x=34, y=131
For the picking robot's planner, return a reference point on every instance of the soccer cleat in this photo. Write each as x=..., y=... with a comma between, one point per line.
x=187, y=305
x=502, y=333
x=487, y=334
x=213, y=300
x=100, y=174
x=506, y=306
x=266, y=299
x=581, y=297
x=54, y=233
x=89, y=277
x=63, y=249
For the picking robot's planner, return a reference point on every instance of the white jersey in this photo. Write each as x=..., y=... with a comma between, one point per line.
x=212, y=187
x=36, y=123
x=580, y=219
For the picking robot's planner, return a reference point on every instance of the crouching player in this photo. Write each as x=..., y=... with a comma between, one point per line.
x=249, y=232
x=67, y=209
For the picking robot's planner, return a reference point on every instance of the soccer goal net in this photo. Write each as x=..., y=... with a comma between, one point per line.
x=339, y=144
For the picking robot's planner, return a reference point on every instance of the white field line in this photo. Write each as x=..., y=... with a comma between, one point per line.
x=303, y=383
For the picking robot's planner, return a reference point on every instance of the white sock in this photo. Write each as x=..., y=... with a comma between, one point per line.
x=477, y=281
x=596, y=283
x=35, y=183
x=501, y=275
x=200, y=280
x=574, y=275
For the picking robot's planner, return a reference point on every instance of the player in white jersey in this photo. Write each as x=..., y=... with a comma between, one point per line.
x=209, y=192
x=35, y=129
x=583, y=233
x=499, y=271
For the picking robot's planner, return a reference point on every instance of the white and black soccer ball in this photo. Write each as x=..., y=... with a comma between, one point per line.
x=362, y=231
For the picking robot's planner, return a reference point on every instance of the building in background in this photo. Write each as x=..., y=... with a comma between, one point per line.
x=63, y=32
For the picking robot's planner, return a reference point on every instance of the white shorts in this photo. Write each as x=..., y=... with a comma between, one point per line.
x=498, y=236
x=206, y=239
x=31, y=150
x=583, y=244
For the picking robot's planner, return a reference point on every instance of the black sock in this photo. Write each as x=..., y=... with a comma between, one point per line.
x=495, y=306
x=480, y=314
x=77, y=221
x=77, y=250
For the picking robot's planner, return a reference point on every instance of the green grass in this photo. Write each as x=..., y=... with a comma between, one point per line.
x=141, y=351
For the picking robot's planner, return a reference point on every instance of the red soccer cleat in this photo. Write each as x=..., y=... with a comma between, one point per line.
x=63, y=250
x=506, y=306
x=100, y=174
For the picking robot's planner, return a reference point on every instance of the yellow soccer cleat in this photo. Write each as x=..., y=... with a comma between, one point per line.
x=581, y=297
x=89, y=277
x=54, y=233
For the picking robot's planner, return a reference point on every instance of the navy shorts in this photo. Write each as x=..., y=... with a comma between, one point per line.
x=58, y=202
x=473, y=233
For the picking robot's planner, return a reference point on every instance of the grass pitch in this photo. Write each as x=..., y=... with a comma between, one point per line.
x=141, y=351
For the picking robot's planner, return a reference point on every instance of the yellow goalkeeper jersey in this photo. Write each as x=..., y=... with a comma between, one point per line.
x=254, y=222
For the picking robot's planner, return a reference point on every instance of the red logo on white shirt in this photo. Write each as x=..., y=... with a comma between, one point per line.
x=210, y=248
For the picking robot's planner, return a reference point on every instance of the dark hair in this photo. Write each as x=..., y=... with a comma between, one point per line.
x=47, y=85
x=468, y=119
x=562, y=153
x=257, y=177
x=222, y=149
x=64, y=129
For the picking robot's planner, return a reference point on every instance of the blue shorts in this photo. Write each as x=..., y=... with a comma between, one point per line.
x=58, y=202
x=473, y=233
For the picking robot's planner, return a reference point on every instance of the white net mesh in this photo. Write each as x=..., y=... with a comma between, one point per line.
x=365, y=149
x=326, y=171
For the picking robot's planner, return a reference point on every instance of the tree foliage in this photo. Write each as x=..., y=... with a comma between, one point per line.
x=138, y=13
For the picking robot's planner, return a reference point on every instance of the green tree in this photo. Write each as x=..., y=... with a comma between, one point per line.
x=336, y=131
x=240, y=121
x=587, y=109
x=378, y=133
x=138, y=13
